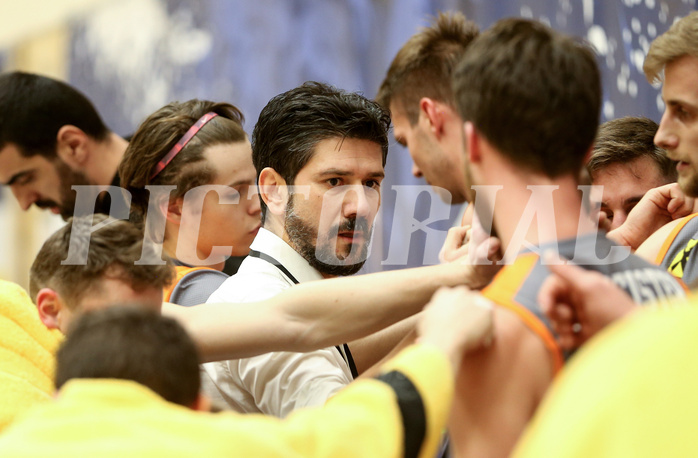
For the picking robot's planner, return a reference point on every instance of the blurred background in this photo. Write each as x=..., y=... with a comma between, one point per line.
x=130, y=57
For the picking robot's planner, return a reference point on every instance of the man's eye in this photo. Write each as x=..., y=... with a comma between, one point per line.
x=372, y=184
x=25, y=179
x=682, y=113
x=334, y=182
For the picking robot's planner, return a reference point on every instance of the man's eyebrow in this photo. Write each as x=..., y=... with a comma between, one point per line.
x=344, y=173
x=17, y=176
x=683, y=103
x=632, y=200
x=335, y=172
x=241, y=182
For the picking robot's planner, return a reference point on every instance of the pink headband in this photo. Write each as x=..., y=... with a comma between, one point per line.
x=182, y=143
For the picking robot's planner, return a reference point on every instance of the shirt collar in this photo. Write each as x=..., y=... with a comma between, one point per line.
x=272, y=245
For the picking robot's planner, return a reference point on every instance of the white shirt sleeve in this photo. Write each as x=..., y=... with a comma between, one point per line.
x=281, y=382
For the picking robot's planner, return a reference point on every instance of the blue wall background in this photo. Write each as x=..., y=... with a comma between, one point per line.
x=133, y=57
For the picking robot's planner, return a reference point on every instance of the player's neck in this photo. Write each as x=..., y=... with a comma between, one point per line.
x=104, y=161
x=533, y=210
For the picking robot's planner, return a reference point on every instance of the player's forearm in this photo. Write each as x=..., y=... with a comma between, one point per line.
x=224, y=331
x=313, y=315
x=352, y=308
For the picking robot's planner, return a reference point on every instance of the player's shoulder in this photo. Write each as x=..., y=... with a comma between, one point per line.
x=656, y=246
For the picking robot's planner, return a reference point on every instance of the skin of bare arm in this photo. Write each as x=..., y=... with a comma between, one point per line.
x=315, y=314
x=375, y=349
x=408, y=338
x=649, y=249
x=465, y=244
x=498, y=389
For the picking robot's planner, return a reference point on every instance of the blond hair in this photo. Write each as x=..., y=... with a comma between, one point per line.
x=680, y=40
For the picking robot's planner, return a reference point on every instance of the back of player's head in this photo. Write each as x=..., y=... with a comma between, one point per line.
x=111, y=253
x=33, y=108
x=423, y=67
x=680, y=40
x=623, y=140
x=132, y=343
x=533, y=93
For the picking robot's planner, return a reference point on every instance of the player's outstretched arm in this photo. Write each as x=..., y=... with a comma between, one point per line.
x=316, y=314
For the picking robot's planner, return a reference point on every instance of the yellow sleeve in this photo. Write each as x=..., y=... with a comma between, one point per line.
x=629, y=392
x=430, y=371
x=368, y=418
x=27, y=350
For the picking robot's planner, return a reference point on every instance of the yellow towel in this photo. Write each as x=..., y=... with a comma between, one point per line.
x=27, y=354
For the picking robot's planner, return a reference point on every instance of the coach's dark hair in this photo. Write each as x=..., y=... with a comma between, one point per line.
x=33, y=108
x=293, y=122
x=132, y=343
x=533, y=93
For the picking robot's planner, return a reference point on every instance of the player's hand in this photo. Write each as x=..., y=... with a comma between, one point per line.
x=456, y=320
x=657, y=207
x=579, y=303
x=471, y=245
x=603, y=222
x=455, y=246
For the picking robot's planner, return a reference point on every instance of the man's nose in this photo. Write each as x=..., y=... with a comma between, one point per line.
x=25, y=198
x=357, y=202
x=664, y=138
x=416, y=171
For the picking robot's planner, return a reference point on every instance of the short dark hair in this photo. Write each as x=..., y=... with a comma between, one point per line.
x=626, y=139
x=424, y=66
x=132, y=343
x=113, y=250
x=294, y=122
x=33, y=108
x=160, y=132
x=533, y=93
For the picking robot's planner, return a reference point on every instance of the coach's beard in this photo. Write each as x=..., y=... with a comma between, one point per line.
x=322, y=256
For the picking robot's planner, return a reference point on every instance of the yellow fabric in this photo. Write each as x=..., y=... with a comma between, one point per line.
x=27, y=350
x=121, y=418
x=415, y=362
x=180, y=272
x=632, y=391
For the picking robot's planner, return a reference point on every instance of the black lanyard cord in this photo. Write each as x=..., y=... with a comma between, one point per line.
x=346, y=354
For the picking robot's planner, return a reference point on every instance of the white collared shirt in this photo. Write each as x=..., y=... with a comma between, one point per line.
x=280, y=382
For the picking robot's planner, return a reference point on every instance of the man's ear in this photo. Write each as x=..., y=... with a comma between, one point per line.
x=432, y=112
x=472, y=142
x=49, y=305
x=172, y=209
x=273, y=190
x=202, y=403
x=71, y=146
